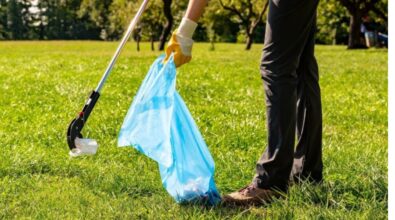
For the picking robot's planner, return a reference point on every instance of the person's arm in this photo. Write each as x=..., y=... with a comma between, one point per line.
x=181, y=41
x=195, y=9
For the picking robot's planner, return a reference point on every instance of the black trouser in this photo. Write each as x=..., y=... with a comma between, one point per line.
x=290, y=75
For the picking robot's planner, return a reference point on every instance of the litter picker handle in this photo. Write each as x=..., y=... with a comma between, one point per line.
x=125, y=38
x=76, y=126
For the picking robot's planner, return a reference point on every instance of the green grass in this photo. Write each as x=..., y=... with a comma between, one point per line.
x=44, y=84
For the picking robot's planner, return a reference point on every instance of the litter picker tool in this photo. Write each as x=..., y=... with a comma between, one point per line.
x=77, y=144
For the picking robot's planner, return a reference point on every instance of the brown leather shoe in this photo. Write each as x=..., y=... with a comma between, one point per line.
x=251, y=195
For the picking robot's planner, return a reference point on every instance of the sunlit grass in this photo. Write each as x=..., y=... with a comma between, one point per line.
x=44, y=84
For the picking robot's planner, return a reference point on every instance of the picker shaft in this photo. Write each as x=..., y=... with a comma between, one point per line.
x=125, y=38
x=76, y=126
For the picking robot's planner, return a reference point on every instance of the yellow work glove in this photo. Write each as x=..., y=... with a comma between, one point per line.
x=181, y=48
x=181, y=42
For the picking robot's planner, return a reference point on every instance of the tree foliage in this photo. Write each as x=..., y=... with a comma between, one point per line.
x=247, y=14
x=98, y=12
x=15, y=22
x=219, y=24
x=332, y=22
x=3, y=20
x=223, y=20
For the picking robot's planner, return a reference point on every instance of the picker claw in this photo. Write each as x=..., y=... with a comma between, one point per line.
x=74, y=131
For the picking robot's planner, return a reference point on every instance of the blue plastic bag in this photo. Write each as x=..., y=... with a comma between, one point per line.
x=160, y=126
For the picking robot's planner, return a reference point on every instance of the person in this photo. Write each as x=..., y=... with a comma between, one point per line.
x=371, y=34
x=368, y=33
x=290, y=74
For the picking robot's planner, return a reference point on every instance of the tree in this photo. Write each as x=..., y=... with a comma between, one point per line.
x=121, y=12
x=99, y=12
x=380, y=15
x=15, y=20
x=248, y=14
x=3, y=20
x=332, y=23
x=381, y=11
x=151, y=23
x=357, y=9
x=149, y=26
x=54, y=24
x=137, y=36
x=219, y=24
x=54, y=19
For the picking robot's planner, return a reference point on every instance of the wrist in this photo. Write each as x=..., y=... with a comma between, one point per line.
x=187, y=28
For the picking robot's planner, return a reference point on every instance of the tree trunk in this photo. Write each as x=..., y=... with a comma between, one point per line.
x=138, y=44
x=212, y=45
x=354, y=39
x=334, y=34
x=42, y=31
x=152, y=43
x=169, y=24
x=249, y=41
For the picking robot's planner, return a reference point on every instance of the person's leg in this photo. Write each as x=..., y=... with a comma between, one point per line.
x=288, y=29
x=308, y=155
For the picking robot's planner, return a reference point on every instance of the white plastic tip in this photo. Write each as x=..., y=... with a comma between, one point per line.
x=84, y=147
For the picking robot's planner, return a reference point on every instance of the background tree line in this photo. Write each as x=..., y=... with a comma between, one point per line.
x=338, y=21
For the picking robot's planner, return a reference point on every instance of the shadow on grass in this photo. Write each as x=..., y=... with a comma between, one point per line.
x=228, y=211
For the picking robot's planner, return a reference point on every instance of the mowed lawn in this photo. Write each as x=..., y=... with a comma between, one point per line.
x=44, y=84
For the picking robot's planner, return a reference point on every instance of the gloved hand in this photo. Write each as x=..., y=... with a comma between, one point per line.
x=181, y=43
x=181, y=47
